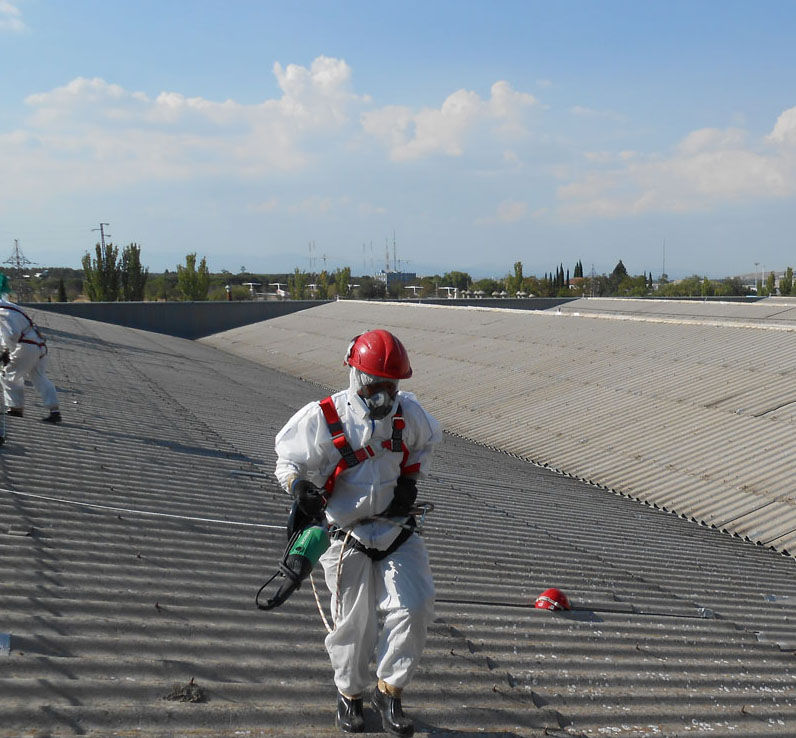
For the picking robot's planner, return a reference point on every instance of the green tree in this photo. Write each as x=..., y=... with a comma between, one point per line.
x=488, y=286
x=428, y=286
x=459, y=280
x=371, y=289
x=771, y=283
x=729, y=287
x=616, y=277
x=297, y=284
x=786, y=283
x=193, y=282
x=322, y=285
x=162, y=286
x=61, y=290
x=133, y=275
x=102, y=275
x=342, y=278
x=531, y=286
x=237, y=292
x=514, y=282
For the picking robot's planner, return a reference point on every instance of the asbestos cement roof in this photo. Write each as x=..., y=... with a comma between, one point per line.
x=770, y=311
x=691, y=416
x=134, y=536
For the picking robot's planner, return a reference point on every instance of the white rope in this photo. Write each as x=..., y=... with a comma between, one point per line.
x=320, y=606
x=338, y=603
x=422, y=509
x=140, y=512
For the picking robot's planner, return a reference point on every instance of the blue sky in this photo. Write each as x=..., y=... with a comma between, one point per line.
x=474, y=134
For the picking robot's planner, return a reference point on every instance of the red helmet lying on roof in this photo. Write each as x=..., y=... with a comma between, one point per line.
x=552, y=599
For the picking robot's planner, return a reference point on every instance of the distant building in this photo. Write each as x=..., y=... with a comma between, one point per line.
x=390, y=278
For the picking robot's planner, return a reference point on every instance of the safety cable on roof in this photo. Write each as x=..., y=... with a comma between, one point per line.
x=130, y=511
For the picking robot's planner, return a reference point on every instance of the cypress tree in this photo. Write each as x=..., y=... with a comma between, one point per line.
x=102, y=275
x=133, y=275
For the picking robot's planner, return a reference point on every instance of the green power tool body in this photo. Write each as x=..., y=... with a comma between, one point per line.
x=307, y=540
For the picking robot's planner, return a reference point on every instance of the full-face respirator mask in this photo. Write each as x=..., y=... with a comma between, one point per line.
x=378, y=393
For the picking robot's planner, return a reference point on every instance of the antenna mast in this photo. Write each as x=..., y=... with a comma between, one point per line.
x=313, y=258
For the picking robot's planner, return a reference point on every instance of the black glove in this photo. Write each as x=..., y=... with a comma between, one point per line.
x=308, y=497
x=403, y=497
x=5, y=357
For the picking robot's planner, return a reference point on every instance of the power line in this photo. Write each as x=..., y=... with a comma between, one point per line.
x=19, y=262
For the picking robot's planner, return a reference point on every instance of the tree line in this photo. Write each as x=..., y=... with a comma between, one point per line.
x=111, y=275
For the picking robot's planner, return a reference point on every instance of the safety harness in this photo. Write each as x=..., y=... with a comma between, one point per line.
x=350, y=458
x=306, y=537
x=41, y=343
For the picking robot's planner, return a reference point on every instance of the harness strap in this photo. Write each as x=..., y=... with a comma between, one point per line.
x=349, y=456
x=374, y=553
x=41, y=343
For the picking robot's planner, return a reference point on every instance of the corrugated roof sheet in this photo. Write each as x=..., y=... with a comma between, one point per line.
x=771, y=311
x=693, y=417
x=134, y=535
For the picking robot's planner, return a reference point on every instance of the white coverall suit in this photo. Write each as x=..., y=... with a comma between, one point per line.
x=28, y=358
x=399, y=586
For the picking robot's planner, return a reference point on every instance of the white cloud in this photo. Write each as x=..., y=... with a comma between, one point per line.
x=444, y=130
x=508, y=211
x=508, y=106
x=93, y=133
x=317, y=206
x=90, y=131
x=712, y=139
x=609, y=157
x=266, y=206
x=784, y=131
x=707, y=169
x=10, y=17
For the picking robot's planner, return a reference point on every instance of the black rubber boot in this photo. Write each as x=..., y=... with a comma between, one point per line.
x=53, y=417
x=349, y=714
x=392, y=715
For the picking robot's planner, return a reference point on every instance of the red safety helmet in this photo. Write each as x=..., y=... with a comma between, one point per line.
x=552, y=599
x=380, y=354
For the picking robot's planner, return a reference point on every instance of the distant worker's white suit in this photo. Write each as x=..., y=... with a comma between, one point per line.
x=400, y=586
x=27, y=358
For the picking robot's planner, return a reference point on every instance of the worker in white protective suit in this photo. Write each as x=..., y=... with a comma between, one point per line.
x=358, y=455
x=24, y=356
